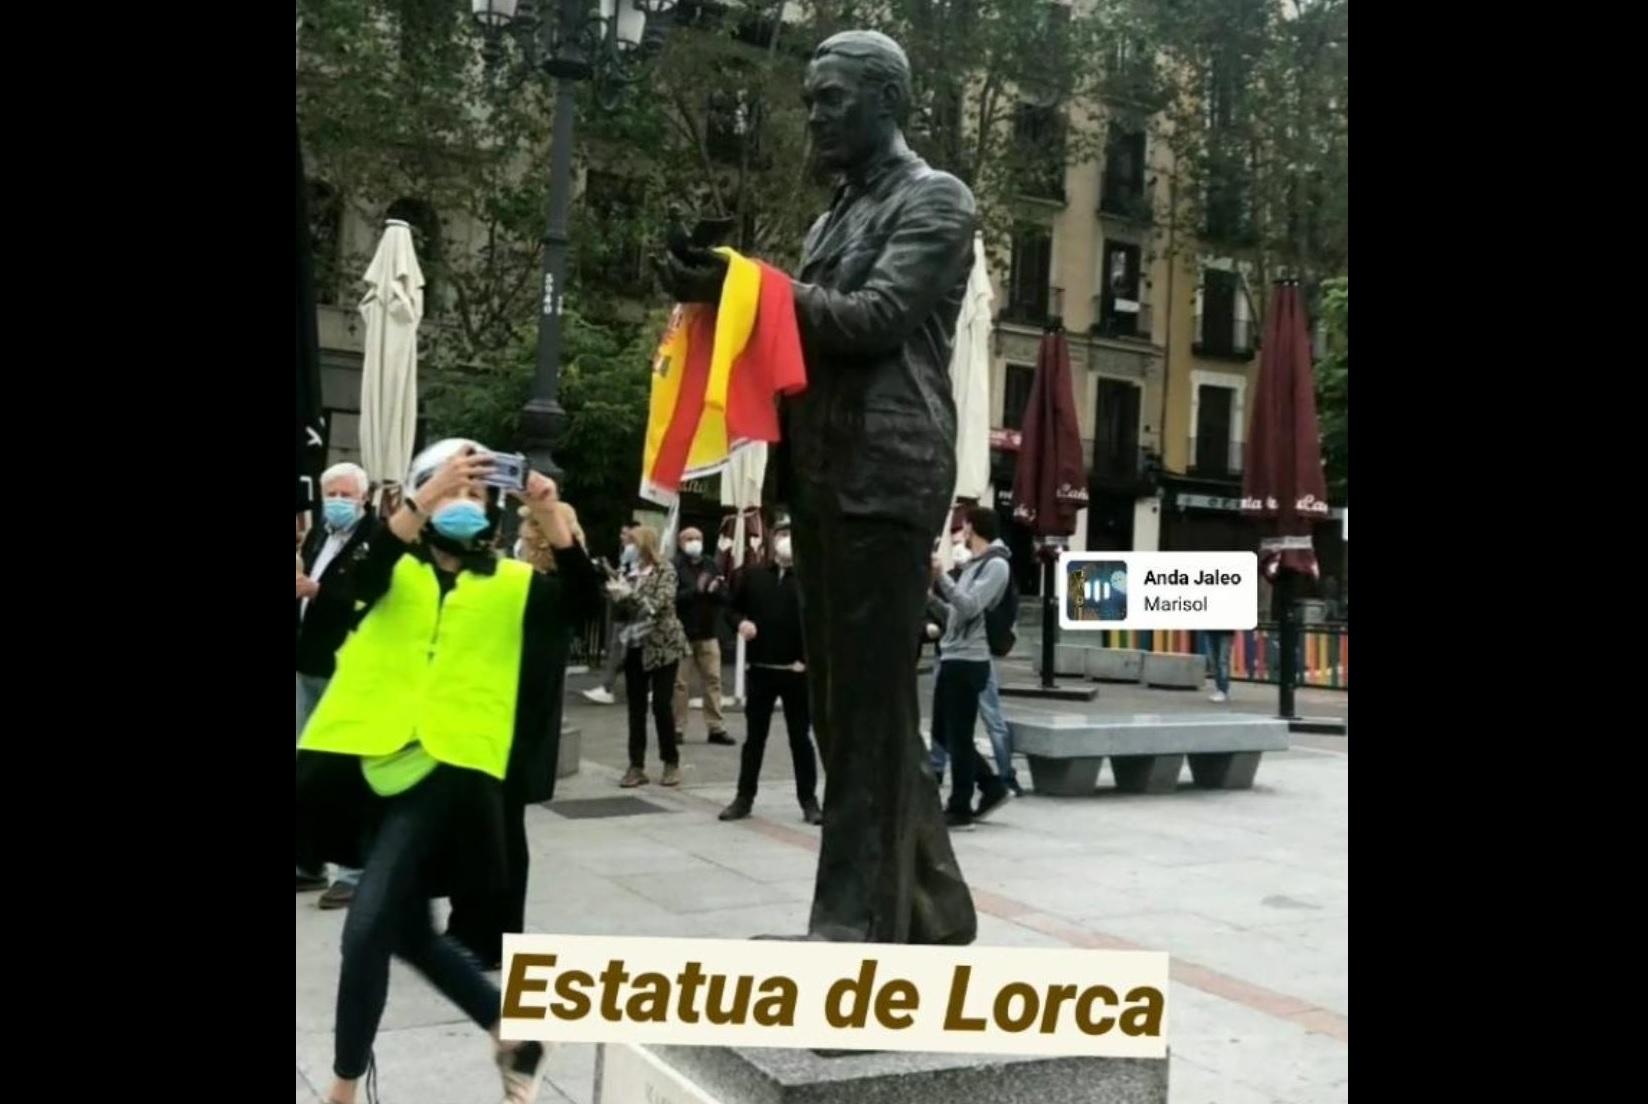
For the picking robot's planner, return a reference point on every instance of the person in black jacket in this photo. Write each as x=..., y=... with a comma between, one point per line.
x=700, y=598
x=426, y=823
x=479, y=920
x=326, y=614
x=766, y=603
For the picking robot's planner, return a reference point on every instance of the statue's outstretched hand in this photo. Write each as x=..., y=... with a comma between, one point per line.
x=696, y=278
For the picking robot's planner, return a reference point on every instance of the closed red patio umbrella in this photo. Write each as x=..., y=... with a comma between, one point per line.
x=1282, y=481
x=1049, y=486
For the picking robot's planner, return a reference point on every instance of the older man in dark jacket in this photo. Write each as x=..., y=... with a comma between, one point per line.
x=326, y=614
x=869, y=474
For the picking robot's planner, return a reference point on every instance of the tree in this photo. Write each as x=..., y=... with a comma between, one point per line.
x=1254, y=98
x=1002, y=90
x=399, y=113
x=1333, y=387
x=396, y=117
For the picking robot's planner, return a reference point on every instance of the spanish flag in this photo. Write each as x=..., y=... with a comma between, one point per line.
x=717, y=376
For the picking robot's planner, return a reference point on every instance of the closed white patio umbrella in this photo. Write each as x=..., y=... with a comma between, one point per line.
x=970, y=384
x=391, y=311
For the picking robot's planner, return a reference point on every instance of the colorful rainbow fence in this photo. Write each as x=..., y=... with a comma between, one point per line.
x=1255, y=656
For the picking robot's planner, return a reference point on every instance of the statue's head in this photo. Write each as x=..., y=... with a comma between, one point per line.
x=858, y=95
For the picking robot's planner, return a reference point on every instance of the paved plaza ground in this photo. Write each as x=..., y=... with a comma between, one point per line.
x=1247, y=890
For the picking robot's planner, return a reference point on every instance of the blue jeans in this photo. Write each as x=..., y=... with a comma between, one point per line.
x=310, y=689
x=1001, y=740
x=1216, y=646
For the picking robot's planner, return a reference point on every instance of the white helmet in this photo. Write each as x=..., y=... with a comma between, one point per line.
x=429, y=461
x=423, y=468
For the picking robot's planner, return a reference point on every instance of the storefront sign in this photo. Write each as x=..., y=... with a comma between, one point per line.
x=1208, y=502
x=1188, y=501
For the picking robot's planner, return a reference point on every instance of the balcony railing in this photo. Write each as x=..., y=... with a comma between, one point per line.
x=1026, y=312
x=1045, y=181
x=1215, y=458
x=1123, y=462
x=1126, y=200
x=1235, y=341
x=1120, y=324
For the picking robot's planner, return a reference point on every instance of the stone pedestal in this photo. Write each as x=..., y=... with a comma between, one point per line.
x=721, y=1075
x=570, y=751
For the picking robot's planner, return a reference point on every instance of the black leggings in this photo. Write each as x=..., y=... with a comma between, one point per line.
x=637, y=681
x=480, y=920
x=390, y=915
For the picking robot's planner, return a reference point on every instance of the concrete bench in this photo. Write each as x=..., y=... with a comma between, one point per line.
x=1068, y=659
x=1115, y=664
x=1174, y=670
x=1146, y=750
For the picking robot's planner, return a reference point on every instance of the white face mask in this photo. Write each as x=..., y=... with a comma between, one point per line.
x=693, y=548
x=724, y=544
x=781, y=547
x=962, y=555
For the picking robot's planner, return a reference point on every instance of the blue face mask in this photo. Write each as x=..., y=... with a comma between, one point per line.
x=460, y=521
x=629, y=555
x=341, y=513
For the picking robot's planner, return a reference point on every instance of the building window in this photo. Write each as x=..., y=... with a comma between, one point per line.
x=426, y=239
x=1130, y=73
x=1214, y=444
x=325, y=237
x=1030, y=275
x=1121, y=309
x=1224, y=327
x=1038, y=150
x=1123, y=191
x=1116, y=430
x=1017, y=395
x=1227, y=196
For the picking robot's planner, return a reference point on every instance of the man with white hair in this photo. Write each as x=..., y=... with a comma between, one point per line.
x=326, y=614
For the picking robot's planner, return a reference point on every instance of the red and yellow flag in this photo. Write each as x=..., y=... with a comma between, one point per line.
x=717, y=376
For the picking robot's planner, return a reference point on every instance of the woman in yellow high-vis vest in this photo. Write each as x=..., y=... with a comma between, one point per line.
x=402, y=767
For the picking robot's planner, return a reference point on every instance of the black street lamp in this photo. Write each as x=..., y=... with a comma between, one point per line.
x=609, y=43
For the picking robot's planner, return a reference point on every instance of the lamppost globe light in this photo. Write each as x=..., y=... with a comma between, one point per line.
x=493, y=13
x=628, y=21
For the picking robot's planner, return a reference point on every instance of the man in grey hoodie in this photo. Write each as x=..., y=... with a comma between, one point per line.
x=964, y=665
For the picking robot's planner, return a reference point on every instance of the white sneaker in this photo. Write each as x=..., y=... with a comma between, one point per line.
x=522, y=1068
x=1219, y=697
x=600, y=695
